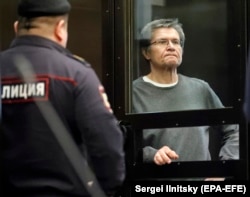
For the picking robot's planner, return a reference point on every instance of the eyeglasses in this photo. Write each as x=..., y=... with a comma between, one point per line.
x=164, y=42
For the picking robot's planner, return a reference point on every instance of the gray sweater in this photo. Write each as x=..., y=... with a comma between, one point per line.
x=190, y=143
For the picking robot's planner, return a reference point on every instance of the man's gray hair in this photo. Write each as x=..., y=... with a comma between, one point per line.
x=148, y=29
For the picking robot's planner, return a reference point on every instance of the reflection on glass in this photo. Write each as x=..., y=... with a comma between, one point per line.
x=170, y=77
x=201, y=143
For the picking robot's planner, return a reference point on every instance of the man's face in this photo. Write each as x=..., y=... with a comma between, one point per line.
x=165, y=50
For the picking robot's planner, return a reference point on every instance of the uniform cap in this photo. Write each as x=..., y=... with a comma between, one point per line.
x=36, y=8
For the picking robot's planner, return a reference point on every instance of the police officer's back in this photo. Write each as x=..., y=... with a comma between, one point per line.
x=34, y=162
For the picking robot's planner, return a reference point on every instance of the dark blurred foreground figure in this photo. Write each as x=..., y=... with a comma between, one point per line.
x=164, y=89
x=34, y=163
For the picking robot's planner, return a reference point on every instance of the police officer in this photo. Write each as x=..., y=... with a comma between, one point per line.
x=34, y=162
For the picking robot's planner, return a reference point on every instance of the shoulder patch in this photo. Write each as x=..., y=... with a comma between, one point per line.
x=105, y=98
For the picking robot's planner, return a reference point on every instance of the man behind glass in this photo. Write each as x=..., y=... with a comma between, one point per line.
x=164, y=89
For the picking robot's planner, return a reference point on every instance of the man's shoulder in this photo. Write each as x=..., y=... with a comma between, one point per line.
x=79, y=59
x=138, y=80
x=192, y=79
x=138, y=83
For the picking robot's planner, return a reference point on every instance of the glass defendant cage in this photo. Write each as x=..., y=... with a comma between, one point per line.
x=215, y=50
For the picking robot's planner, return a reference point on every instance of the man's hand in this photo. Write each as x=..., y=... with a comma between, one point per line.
x=165, y=156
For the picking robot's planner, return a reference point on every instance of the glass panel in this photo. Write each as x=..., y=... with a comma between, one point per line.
x=203, y=143
x=207, y=55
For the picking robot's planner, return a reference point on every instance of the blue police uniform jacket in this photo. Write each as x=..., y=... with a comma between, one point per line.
x=34, y=164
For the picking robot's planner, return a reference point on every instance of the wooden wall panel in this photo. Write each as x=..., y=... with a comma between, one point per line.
x=85, y=29
x=85, y=32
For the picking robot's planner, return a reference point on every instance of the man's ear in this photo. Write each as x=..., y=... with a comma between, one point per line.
x=145, y=54
x=60, y=30
x=15, y=25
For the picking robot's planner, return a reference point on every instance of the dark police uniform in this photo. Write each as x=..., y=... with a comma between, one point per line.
x=34, y=163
